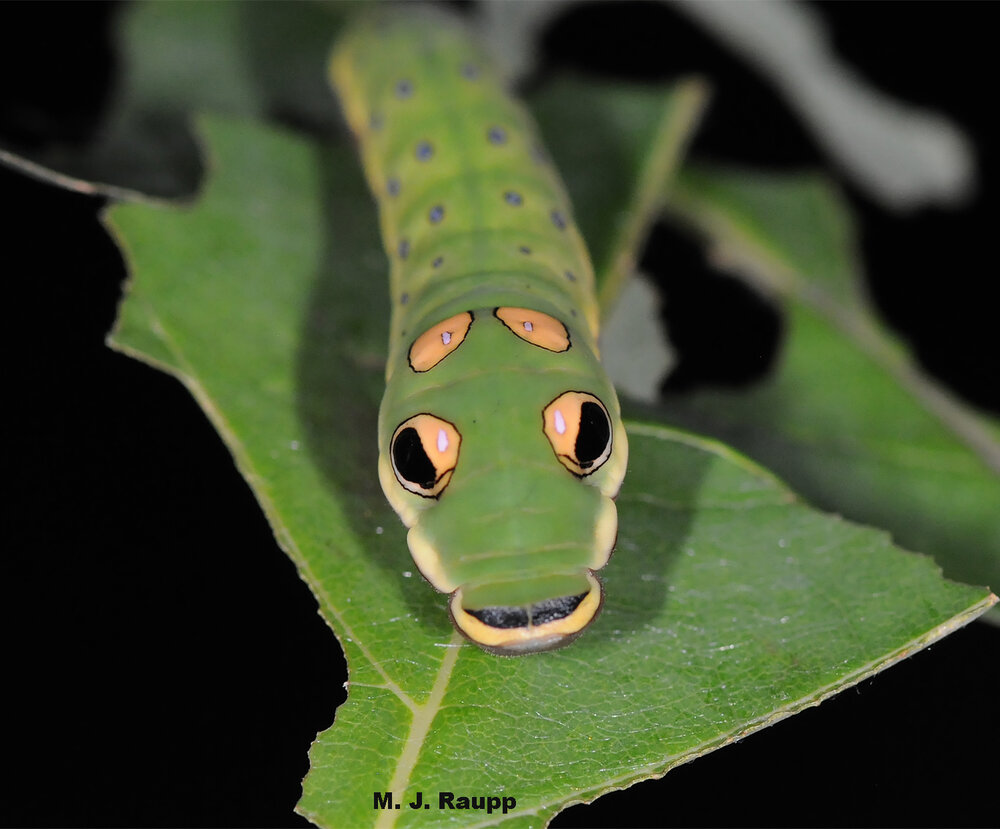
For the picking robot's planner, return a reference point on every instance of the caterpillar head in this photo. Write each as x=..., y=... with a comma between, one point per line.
x=502, y=451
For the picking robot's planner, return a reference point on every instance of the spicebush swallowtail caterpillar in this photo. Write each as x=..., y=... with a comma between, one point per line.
x=501, y=444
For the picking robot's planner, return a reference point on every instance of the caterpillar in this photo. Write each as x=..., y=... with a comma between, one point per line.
x=501, y=444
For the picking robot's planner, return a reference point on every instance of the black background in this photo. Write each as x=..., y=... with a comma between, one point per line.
x=162, y=662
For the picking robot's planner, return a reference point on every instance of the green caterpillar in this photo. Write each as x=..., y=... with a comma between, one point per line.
x=500, y=436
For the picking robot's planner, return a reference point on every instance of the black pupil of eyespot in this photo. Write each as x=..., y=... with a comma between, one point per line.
x=594, y=434
x=411, y=460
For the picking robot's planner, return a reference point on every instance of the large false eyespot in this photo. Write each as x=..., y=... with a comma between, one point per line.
x=424, y=452
x=535, y=327
x=437, y=342
x=579, y=428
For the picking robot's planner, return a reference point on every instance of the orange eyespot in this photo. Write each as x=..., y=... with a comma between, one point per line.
x=424, y=451
x=535, y=327
x=579, y=428
x=437, y=342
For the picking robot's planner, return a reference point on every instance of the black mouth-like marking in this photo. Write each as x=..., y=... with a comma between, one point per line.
x=552, y=609
x=540, y=613
x=502, y=617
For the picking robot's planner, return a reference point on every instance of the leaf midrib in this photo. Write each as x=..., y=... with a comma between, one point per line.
x=420, y=725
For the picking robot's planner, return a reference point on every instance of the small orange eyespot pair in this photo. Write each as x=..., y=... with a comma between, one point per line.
x=440, y=340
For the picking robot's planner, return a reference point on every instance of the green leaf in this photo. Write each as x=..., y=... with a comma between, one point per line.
x=730, y=604
x=847, y=417
x=619, y=147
